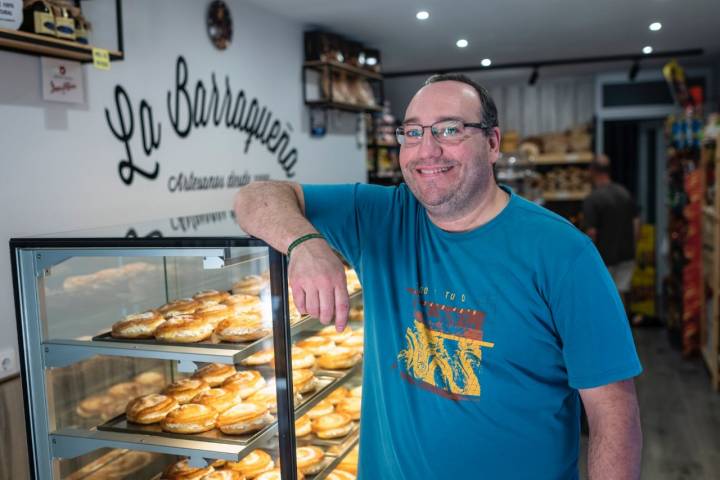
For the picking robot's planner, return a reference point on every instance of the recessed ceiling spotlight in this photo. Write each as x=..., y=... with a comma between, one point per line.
x=486, y=62
x=422, y=15
x=647, y=50
x=655, y=26
x=462, y=43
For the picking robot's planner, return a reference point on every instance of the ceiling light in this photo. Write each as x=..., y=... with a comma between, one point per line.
x=462, y=43
x=655, y=26
x=486, y=62
x=422, y=15
x=647, y=50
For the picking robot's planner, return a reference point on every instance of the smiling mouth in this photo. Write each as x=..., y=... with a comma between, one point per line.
x=433, y=171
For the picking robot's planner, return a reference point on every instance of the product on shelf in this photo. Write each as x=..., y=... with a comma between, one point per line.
x=310, y=459
x=350, y=406
x=190, y=418
x=339, y=358
x=38, y=17
x=245, y=382
x=303, y=426
x=333, y=425
x=251, y=285
x=184, y=328
x=215, y=374
x=150, y=409
x=244, y=418
x=186, y=389
x=64, y=21
x=219, y=399
x=339, y=474
x=242, y=328
x=323, y=407
x=183, y=471
x=138, y=325
x=253, y=464
x=349, y=463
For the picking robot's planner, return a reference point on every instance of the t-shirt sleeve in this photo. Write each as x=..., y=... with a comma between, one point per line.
x=333, y=212
x=597, y=342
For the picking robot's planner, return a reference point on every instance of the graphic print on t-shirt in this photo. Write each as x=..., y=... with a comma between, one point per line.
x=444, y=349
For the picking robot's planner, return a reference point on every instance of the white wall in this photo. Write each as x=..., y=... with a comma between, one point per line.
x=60, y=163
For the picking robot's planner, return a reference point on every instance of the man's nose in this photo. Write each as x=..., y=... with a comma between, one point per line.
x=429, y=146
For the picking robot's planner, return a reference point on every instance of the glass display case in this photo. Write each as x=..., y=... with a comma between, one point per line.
x=179, y=354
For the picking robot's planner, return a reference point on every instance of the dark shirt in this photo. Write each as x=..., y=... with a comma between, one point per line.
x=611, y=210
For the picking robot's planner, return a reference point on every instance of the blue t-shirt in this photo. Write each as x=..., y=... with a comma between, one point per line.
x=475, y=342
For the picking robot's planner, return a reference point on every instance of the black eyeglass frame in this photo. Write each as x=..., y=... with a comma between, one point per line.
x=400, y=131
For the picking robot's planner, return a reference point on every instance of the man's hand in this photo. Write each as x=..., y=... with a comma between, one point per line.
x=319, y=286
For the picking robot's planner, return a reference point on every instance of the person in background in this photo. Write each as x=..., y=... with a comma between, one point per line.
x=488, y=319
x=610, y=218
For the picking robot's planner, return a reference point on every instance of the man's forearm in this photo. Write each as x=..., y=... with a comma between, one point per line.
x=615, y=455
x=272, y=211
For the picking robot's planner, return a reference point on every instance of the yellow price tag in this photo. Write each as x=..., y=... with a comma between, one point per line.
x=101, y=58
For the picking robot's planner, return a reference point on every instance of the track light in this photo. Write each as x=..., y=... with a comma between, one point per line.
x=634, y=69
x=534, y=76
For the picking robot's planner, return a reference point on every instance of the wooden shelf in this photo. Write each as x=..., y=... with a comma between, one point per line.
x=348, y=107
x=564, y=196
x=43, y=45
x=562, y=158
x=360, y=72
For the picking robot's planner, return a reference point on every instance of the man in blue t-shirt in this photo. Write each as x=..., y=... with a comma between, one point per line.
x=488, y=318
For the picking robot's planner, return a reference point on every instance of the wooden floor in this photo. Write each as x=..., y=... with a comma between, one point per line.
x=680, y=413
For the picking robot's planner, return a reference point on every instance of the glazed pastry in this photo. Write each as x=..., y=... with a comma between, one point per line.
x=224, y=475
x=150, y=382
x=309, y=459
x=95, y=406
x=151, y=408
x=245, y=383
x=267, y=396
x=182, y=471
x=186, y=389
x=211, y=297
x=218, y=399
x=351, y=407
x=339, y=474
x=253, y=464
x=241, y=303
x=138, y=325
x=339, y=358
x=242, y=328
x=349, y=463
x=250, y=285
x=184, y=329
x=274, y=474
x=354, y=342
x=337, y=395
x=214, y=313
x=302, y=359
x=190, y=418
x=324, y=407
x=353, y=282
x=183, y=306
x=123, y=467
x=333, y=425
x=263, y=357
x=317, y=345
x=244, y=418
x=303, y=426
x=356, y=392
x=215, y=374
x=338, y=337
x=125, y=391
x=304, y=380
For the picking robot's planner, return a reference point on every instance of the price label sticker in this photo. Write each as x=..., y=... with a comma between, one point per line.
x=101, y=59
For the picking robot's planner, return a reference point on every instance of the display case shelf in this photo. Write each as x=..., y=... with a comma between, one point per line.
x=61, y=353
x=564, y=196
x=562, y=158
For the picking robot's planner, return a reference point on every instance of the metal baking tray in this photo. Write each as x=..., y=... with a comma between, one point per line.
x=328, y=381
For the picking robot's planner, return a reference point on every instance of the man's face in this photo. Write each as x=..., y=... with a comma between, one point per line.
x=448, y=179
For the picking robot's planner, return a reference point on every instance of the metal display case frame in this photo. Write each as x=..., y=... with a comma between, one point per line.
x=32, y=260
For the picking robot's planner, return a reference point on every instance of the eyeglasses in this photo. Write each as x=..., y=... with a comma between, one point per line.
x=446, y=131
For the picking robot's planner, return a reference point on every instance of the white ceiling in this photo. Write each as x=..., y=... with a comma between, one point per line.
x=509, y=30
